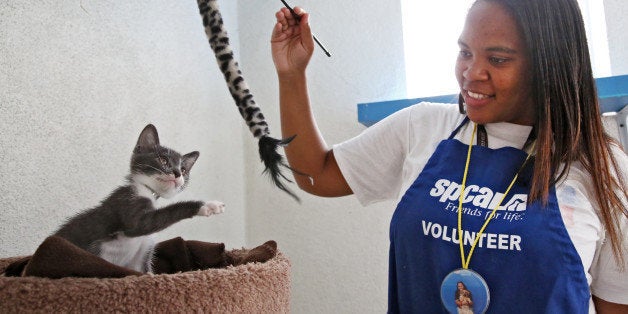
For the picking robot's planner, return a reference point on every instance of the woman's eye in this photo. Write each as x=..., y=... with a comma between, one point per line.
x=464, y=54
x=498, y=60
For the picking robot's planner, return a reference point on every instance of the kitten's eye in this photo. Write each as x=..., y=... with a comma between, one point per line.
x=184, y=171
x=163, y=161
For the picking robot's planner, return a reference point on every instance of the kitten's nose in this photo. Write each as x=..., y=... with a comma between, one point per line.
x=177, y=173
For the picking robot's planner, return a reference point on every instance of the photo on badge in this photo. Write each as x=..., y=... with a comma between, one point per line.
x=464, y=291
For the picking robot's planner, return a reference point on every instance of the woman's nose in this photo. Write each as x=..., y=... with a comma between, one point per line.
x=475, y=71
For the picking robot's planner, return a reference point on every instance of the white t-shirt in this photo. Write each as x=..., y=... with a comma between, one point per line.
x=382, y=162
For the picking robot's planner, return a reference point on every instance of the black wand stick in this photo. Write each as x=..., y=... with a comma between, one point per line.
x=298, y=18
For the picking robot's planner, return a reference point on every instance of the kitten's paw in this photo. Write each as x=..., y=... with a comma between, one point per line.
x=211, y=208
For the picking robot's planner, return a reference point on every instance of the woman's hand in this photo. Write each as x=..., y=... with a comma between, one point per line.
x=291, y=42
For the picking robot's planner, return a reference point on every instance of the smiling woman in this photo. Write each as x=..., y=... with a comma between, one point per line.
x=493, y=68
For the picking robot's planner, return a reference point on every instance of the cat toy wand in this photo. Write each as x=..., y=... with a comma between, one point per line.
x=298, y=18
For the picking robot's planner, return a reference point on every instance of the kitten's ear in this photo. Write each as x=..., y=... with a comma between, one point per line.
x=148, y=139
x=188, y=160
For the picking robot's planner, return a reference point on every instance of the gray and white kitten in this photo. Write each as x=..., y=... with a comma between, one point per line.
x=120, y=229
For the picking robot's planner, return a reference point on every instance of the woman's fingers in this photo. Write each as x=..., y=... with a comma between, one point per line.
x=291, y=25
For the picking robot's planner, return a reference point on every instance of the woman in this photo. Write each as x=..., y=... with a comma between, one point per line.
x=540, y=199
x=463, y=299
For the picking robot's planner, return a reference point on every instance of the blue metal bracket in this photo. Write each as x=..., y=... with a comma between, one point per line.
x=613, y=93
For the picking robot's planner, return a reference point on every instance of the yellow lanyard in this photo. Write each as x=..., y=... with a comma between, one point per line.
x=465, y=262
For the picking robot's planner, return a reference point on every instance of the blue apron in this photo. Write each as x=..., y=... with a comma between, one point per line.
x=525, y=254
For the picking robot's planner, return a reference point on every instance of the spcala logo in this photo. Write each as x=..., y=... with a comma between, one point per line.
x=484, y=197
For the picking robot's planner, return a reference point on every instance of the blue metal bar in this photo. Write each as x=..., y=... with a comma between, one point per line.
x=612, y=91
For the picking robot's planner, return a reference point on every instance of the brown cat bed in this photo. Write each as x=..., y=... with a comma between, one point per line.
x=246, y=288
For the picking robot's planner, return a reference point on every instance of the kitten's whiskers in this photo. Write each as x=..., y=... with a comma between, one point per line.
x=149, y=166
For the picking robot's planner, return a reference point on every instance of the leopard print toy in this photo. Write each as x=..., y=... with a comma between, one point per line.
x=249, y=110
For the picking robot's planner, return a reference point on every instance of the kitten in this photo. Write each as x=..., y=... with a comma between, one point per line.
x=120, y=229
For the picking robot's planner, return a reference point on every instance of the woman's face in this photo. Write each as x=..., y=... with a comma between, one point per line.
x=493, y=69
x=460, y=286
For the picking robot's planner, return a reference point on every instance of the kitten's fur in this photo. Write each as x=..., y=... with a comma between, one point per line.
x=120, y=229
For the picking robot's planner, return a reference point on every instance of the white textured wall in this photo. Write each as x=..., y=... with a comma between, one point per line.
x=616, y=26
x=78, y=82
x=338, y=249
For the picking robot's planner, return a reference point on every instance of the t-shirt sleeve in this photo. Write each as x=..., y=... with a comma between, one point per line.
x=610, y=279
x=372, y=162
x=380, y=162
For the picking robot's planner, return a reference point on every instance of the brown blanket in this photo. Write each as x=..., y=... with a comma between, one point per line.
x=58, y=258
